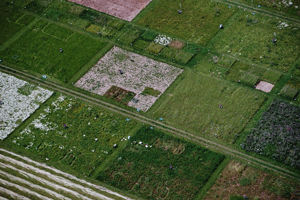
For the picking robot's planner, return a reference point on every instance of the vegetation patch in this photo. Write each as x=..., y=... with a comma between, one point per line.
x=168, y=53
x=149, y=35
x=209, y=106
x=198, y=22
x=130, y=34
x=40, y=52
x=277, y=134
x=119, y=94
x=227, y=61
x=238, y=180
x=93, y=28
x=289, y=91
x=156, y=165
x=74, y=134
x=154, y=48
x=249, y=79
x=183, y=57
x=151, y=91
x=246, y=39
x=57, y=31
x=141, y=44
x=272, y=76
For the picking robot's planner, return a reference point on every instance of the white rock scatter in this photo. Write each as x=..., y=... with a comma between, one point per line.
x=17, y=107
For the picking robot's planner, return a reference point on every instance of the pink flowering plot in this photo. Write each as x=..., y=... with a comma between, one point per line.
x=131, y=72
x=264, y=86
x=124, y=9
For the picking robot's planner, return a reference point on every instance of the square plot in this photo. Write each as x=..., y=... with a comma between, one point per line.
x=131, y=72
x=264, y=86
x=124, y=9
x=20, y=99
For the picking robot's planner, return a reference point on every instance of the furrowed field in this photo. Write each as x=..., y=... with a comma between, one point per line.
x=158, y=166
x=38, y=50
x=194, y=104
x=74, y=134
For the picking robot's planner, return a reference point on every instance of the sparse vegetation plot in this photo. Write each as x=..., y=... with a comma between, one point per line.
x=249, y=35
x=155, y=165
x=277, y=134
x=74, y=134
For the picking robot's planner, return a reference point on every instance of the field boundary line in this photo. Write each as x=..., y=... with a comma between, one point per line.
x=146, y=120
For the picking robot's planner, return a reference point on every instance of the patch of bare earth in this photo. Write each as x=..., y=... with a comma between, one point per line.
x=229, y=184
x=176, y=44
x=131, y=72
x=124, y=9
x=264, y=86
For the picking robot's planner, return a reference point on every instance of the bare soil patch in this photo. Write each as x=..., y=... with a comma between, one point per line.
x=119, y=94
x=238, y=180
x=176, y=44
x=264, y=86
x=124, y=9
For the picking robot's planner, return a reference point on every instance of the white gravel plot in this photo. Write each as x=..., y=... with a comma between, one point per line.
x=139, y=72
x=17, y=107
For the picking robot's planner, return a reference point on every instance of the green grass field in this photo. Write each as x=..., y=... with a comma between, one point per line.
x=194, y=104
x=158, y=166
x=38, y=50
x=83, y=145
x=249, y=36
x=8, y=24
x=198, y=23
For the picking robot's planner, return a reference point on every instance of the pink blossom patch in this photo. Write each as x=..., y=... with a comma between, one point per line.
x=124, y=9
x=131, y=72
x=264, y=86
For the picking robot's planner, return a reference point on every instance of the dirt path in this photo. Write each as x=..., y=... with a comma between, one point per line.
x=209, y=144
x=58, y=179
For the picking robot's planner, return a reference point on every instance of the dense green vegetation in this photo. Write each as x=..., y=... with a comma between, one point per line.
x=39, y=51
x=155, y=165
x=194, y=104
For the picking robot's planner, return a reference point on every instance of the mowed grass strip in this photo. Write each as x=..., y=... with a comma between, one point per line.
x=195, y=104
x=249, y=35
x=158, y=166
x=40, y=52
x=75, y=134
x=198, y=23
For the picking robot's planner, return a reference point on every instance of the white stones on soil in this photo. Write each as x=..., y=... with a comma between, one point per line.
x=17, y=107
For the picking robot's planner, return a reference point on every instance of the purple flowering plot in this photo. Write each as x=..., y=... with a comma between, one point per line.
x=277, y=134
